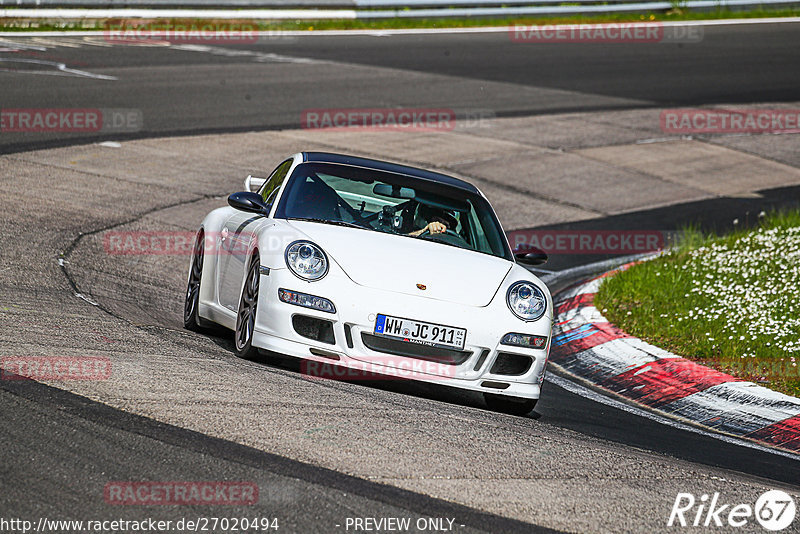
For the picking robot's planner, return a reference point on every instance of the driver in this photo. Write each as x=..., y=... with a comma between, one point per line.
x=433, y=220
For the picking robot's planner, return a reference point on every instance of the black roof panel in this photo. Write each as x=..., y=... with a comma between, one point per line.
x=327, y=157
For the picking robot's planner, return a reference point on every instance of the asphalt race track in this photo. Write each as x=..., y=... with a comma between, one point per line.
x=191, y=89
x=181, y=406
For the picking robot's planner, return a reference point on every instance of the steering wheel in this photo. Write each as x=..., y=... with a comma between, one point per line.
x=448, y=237
x=427, y=232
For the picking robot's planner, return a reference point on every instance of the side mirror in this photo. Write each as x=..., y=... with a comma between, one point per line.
x=248, y=201
x=253, y=183
x=530, y=256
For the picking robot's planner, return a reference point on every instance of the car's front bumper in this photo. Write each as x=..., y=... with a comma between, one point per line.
x=356, y=310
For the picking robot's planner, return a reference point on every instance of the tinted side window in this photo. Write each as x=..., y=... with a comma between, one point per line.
x=274, y=181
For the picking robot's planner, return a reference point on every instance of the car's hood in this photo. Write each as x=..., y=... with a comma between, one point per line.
x=399, y=264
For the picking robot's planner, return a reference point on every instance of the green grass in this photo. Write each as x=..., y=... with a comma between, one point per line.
x=26, y=24
x=730, y=302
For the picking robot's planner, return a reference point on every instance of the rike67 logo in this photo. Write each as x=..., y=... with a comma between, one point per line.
x=774, y=511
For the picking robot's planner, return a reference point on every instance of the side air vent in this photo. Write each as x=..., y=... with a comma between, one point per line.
x=348, y=336
x=481, y=360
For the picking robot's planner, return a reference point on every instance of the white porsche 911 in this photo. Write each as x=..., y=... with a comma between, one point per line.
x=355, y=264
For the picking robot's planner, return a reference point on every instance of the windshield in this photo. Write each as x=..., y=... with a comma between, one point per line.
x=392, y=203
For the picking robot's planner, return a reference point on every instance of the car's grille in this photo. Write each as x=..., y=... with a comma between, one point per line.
x=414, y=350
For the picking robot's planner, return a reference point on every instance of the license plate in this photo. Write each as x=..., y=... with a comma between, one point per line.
x=434, y=335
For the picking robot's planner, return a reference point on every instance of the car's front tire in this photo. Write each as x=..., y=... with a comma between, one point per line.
x=191, y=320
x=509, y=405
x=246, y=316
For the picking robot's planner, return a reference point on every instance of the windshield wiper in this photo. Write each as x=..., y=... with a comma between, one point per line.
x=326, y=221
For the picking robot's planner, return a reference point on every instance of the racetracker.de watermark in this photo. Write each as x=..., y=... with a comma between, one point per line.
x=70, y=120
x=182, y=243
x=589, y=241
x=189, y=32
x=612, y=32
x=159, y=243
x=379, y=119
x=55, y=368
x=724, y=121
x=181, y=493
x=378, y=368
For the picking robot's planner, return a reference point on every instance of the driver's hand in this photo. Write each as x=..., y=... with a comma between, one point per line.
x=436, y=227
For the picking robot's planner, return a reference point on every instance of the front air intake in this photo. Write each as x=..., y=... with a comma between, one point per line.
x=511, y=364
x=313, y=328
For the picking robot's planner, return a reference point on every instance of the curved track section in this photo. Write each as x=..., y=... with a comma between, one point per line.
x=395, y=434
x=227, y=87
x=180, y=406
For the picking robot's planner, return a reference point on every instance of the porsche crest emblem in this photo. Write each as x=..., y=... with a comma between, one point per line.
x=422, y=287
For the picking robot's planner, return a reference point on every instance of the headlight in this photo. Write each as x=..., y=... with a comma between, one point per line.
x=306, y=260
x=526, y=301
